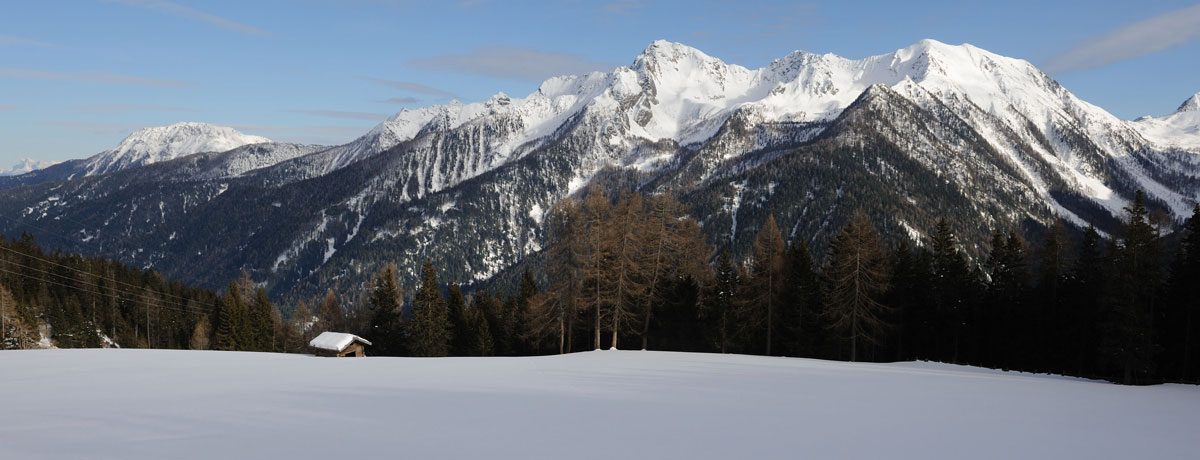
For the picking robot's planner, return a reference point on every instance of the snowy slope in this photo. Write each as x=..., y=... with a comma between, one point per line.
x=28, y=165
x=672, y=92
x=1177, y=130
x=138, y=404
x=163, y=143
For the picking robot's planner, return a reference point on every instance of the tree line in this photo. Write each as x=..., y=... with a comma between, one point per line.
x=633, y=271
x=626, y=270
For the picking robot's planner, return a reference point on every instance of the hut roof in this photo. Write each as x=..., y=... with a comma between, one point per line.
x=335, y=341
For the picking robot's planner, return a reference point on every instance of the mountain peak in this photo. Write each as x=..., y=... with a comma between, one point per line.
x=163, y=143
x=1192, y=104
x=662, y=52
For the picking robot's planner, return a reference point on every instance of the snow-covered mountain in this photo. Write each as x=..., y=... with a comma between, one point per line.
x=27, y=165
x=164, y=143
x=924, y=132
x=1177, y=130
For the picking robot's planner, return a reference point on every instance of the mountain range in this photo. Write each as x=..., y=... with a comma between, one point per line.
x=926, y=132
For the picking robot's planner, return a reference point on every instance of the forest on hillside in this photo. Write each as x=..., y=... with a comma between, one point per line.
x=626, y=270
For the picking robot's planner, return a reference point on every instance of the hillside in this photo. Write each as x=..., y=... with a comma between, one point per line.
x=134, y=404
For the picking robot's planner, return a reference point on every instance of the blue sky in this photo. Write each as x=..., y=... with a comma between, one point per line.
x=77, y=76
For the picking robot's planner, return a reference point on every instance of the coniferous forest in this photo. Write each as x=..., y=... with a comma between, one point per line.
x=626, y=270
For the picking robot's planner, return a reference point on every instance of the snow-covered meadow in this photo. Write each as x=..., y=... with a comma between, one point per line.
x=139, y=404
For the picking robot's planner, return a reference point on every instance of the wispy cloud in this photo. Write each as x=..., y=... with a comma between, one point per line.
x=175, y=9
x=12, y=40
x=623, y=6
x=343, y=114
x=130, y=108
x=407, y=100
x=89, y=77
x=511, y=63
x=1137, y=39
x=7, y=107
x=419, y=88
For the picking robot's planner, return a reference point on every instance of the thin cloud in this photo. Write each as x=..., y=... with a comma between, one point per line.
x=623, y=6
x=174, y=9
x=12, y=40
x=1138, y=39
x=131, y=108
x=414, y=87
x=510, y=63
x=7, y=108
x=343, y=114
x=407, y=100
x=89, y=77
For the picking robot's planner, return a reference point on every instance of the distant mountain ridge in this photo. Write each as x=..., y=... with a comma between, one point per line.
x=927, y=131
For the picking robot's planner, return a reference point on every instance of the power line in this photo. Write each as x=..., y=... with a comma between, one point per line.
x=178, y=299
x=139, y=295
x=169, y=306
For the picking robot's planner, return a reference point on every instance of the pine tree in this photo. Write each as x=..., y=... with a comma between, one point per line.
x=429, y=330
x=385, y=303
x=857, y=274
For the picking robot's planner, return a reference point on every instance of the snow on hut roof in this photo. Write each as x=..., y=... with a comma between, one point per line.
x=335, y=341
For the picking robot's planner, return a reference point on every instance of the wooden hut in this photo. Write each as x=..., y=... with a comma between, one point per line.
x=338, y=345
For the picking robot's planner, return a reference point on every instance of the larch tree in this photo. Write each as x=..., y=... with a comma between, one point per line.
x=857, y=274
x=597, y=211
x=553, y=311
x=764, y=286
x=626, y=268
x=330, y=312
x=200, y=334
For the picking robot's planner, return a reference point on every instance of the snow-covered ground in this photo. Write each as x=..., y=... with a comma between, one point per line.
x=137, y=404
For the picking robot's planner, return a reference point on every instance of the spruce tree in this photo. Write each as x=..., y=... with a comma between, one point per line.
x=1183, y=318
x=952, y=289
x=386, y=303
x=1128, y=344
x=429, y=330
x=719, y=311
x=456, y=317
x=800, y=303
x=911, y=300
